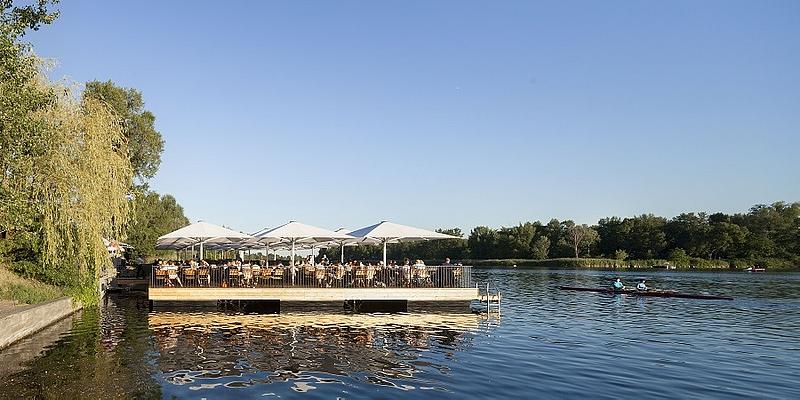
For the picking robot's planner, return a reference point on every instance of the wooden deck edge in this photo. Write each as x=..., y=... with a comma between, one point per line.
x=305, y=294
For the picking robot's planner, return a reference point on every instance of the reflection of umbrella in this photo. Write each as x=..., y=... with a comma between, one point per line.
x=201, y=232
x=295, y=232
x=385, y=232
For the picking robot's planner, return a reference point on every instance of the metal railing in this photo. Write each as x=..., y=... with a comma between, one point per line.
x=445, y=276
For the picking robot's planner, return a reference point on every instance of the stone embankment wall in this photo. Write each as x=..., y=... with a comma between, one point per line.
x=23, y=321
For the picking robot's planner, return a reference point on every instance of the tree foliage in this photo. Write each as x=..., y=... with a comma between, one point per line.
x=154, y=216
x=766, y=234
x=65, y=162
x=145, y=144
x=15, y=20
x=65, y=175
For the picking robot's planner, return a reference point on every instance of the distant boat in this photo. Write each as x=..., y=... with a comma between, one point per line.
x=755, y=269
x=647, y=293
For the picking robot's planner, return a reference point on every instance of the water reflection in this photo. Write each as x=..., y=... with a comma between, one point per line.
x=551, y=344
x=105, y=354
x=206, y=350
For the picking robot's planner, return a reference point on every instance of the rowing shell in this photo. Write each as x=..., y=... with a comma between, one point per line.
x=648, y=293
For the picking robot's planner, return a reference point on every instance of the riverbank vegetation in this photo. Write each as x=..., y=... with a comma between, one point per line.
x=766, y=235
x=26, y=291
x=73, y=164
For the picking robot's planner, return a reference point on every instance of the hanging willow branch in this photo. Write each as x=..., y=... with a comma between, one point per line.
x=80, y=182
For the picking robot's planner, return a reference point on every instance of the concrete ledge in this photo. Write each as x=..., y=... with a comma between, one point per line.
x=27, y=320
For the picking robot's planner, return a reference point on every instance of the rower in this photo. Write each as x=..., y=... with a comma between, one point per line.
x=618, y=285
x=641, y=286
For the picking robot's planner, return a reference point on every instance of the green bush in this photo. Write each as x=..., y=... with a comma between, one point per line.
x=29, y=294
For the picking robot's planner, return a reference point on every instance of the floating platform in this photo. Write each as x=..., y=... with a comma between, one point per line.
x=288, y=294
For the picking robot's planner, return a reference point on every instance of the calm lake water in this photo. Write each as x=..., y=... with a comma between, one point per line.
x=546, y=344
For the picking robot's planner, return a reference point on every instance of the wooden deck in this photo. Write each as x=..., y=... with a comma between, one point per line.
x=311, y=294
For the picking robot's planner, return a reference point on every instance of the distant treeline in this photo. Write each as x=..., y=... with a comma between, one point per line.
x=766, y=235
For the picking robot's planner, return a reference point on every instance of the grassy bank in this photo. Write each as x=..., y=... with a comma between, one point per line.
x=25, y=291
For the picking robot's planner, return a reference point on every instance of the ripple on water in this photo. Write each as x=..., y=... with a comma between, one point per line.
x=546, y=343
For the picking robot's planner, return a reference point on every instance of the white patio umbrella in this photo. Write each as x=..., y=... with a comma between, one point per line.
x=388, y=232
x=266, y=241
x=295, y=232
x=202, y=231
x=350, y=242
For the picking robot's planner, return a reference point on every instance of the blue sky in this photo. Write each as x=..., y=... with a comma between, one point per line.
x=453, y=113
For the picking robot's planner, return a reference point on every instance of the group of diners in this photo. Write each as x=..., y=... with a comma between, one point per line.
x=257, y=273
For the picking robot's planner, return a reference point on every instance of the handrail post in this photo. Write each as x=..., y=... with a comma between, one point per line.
x=488, y=300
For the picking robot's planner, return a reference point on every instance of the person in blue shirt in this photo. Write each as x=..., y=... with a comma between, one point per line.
x=641, y=286
x=618, y=285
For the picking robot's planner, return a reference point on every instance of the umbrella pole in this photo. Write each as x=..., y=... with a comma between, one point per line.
x=342, y=261
x=384, y=253
x=268, y=254
x=292, y=253
x=291, y=269
x=201, y=249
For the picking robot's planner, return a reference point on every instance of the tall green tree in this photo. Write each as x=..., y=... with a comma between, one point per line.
x=154, y=216
x=690, y=232
x=145, y=143
x=614, y=233
x=581, y=237
x=482, y=242
x=541, y=248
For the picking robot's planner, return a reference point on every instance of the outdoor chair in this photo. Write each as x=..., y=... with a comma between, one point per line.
x=265, y=276
x=422, y=277
x=246, y=276
x=189, y=276
x=203, y=275
x=254, y=275
x=308, y=275
x=161, y=277
x=360, y=276
x=370, y=275
x=233, y=276
x=338, y=275
x=277, y=275
x=457, y=274
x=172, y=275
x=319, y=275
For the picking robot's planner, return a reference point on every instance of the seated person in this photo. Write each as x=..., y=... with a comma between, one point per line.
x=641, y=286
x=618, y=285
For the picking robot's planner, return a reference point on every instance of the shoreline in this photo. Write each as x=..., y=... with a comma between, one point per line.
x=21, y=322
x=612, y=265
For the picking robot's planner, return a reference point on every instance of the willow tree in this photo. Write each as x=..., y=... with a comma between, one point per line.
x=64, y=175
x=80, y=183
